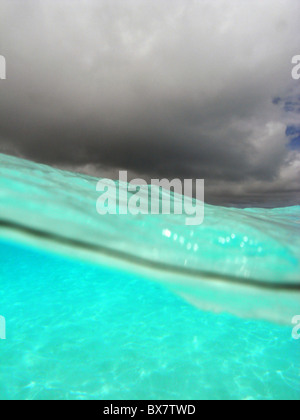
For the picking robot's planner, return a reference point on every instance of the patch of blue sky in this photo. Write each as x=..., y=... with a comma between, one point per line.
x=293, y=134
x=291, y=105
x=295, y=143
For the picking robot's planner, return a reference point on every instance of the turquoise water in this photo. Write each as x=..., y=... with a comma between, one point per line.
x=99, y=307
x=80, y=331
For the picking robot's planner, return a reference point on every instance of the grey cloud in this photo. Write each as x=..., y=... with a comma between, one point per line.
x=175, y=88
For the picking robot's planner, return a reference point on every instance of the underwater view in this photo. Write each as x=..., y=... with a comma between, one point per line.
x=142, y=307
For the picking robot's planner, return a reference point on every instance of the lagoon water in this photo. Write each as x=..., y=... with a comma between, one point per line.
x=142, y=307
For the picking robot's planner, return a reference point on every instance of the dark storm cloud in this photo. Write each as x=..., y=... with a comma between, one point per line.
x=176, y=88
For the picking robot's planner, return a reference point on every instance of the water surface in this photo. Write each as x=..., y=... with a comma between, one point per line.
x=98, y=307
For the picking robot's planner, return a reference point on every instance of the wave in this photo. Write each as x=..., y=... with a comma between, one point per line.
x=246, y=262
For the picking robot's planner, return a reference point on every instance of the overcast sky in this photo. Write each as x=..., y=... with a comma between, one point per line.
x=163, y=88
